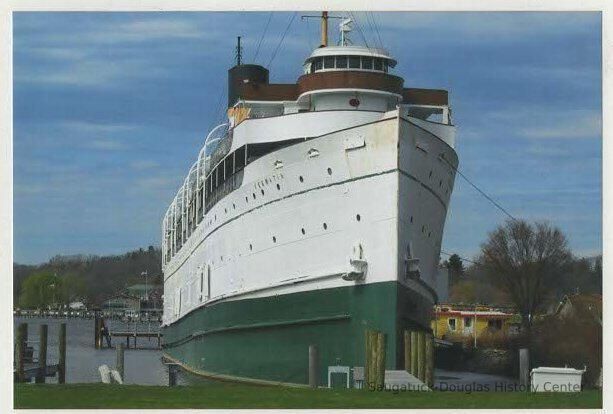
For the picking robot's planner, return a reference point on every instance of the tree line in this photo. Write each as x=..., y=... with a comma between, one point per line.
x=527, y=265
x=87, y=278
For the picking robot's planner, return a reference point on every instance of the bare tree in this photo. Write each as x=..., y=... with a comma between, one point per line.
x=524, y=260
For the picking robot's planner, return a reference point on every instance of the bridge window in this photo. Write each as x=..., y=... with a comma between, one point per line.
x=366, y=63
x=378, y=64
x=329, y=62
x=348, y=62
x=451, y=322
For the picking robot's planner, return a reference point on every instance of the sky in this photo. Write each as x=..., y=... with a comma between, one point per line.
x=111, y=109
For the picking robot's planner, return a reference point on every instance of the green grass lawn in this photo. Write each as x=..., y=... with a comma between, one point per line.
x=227, y=395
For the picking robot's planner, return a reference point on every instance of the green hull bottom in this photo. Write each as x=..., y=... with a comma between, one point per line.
x=268, y=338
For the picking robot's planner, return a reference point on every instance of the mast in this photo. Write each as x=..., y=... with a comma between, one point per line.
x=324, y=29
x=238, y=52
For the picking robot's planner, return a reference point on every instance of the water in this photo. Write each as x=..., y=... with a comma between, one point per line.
x=142, y=366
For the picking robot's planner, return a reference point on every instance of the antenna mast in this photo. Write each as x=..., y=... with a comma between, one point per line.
x=345, y=28
x=239, y=51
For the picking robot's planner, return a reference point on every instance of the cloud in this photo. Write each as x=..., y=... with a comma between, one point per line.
x=100, y=72
x=104, y=52
x=106, y=144
x=154, y=183
x=140, y=29
x=574, y=125
x=487, y=26
x=548, y=151
x=95, y=127
x=143, y=164
x=144, y=30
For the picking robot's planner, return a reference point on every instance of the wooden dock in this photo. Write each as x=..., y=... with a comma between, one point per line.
x=134, y=335
x=32, y=372
x=26, y=368
x=105, y=334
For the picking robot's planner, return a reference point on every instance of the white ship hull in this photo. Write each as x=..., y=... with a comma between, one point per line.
x=305, y=211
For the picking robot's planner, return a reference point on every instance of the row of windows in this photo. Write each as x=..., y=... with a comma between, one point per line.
x=220, y=181
x=492, y=324
x=349, y=62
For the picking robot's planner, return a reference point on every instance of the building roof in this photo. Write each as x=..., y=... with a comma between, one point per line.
x=118, y=301
x=461, y=310
x=483, y=314
x=587, y=306
x=142, y=287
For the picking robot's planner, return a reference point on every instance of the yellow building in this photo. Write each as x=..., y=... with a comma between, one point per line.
x=454, y=322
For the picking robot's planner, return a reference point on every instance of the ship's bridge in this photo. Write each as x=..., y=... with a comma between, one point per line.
x=348, y=58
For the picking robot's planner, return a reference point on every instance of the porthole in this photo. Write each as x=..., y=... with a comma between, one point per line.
x=262, y=191
x=423, y=229
x=325, y=226
x=253, y=194
x=429, y=233
x=430, y=175
x=250, y=247
x=440, y=183
x=226, y=210
x=357, y=217
x=221, y=258
x=301, y=179
x=246, y=199
x=411, y=219
x=234, y=206
x=302, y=230
x=278, y=187
x=274, y=239
x=329, y=171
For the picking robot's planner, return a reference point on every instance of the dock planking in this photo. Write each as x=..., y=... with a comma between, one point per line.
x=134, y=335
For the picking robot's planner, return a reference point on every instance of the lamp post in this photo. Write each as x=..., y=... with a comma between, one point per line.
x=146, y=273
x=475, y=327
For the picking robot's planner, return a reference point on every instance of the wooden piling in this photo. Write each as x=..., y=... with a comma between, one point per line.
x=374, y=368
x=119, y=361
x=20, y=349
x=96, y=331
x=421, y=356
x=367, y=348
x=380, y=361
x=313, y=366
x=407, y=350
x=524, y=367
x=61, y=366
x=172, y=375
x=42, y=354
x=414, y=353
x=25, y=332
x=429, y=360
